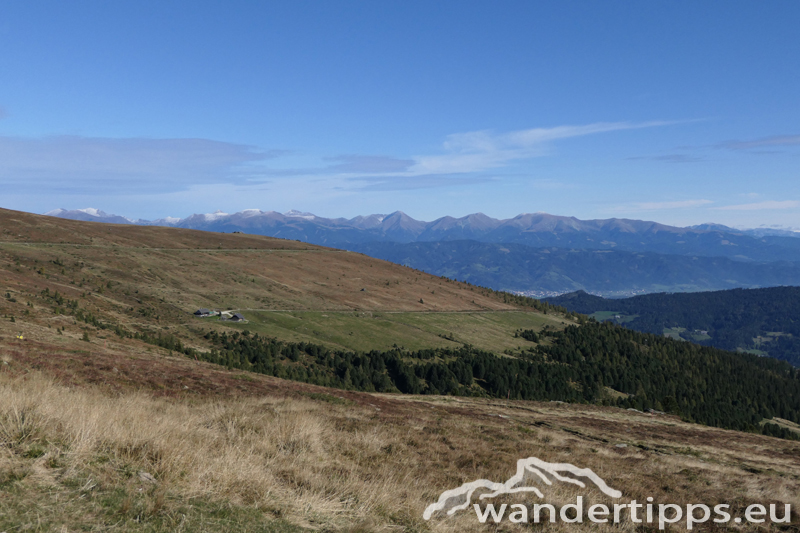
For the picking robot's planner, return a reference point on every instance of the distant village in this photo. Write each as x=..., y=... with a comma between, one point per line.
x=228, y=316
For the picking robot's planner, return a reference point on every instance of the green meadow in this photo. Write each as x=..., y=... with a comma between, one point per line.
x=364, y=331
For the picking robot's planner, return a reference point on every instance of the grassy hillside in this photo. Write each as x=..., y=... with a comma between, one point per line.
x=151, y=279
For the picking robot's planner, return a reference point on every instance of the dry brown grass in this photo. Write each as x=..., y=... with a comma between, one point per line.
x=348, y=461
x=286, y=457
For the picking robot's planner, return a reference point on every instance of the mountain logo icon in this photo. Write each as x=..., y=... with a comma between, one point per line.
x=530, y=472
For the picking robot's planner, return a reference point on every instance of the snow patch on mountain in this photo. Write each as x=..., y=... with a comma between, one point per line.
x=90, y=214
x=299, y=214
x=210, y=217
x=166, y=221
x=91, y=211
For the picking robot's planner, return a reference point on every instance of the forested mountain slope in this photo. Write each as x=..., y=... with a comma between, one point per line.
x=594, y=362
x=764, y=320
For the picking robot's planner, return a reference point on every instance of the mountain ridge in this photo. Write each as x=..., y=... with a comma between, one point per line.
x=531, y=229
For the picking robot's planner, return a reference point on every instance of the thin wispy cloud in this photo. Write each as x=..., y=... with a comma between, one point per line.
x=80, y=165
x=368, y=164
x=764, y=142
x=550, y=185
x=779, y=226
x=433, y=181
x=680, y=204
x=670, y=158
x=483, y=150
x=124, y=166
x=425, y=181
x=759, y=206
x=465, y=159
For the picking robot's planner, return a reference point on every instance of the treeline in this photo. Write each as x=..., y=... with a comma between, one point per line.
x=464, y=371
x=704, y=385
x=732, y=318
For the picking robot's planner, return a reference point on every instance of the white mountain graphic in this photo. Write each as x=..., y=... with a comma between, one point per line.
x=529, y=470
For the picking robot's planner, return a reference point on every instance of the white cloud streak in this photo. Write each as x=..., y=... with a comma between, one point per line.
x=764, y=142
x=75, y=164
x=368, y=164
x=477, y=151
x=670, y=158
x=681, y=204
x=761, y=206
x=125, y=166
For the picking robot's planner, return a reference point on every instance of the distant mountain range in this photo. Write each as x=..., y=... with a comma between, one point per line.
x=532, y=251
x=90, y=214
x=531, y=229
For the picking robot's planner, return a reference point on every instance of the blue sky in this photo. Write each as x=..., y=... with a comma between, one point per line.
x=681, y=112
